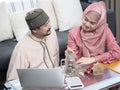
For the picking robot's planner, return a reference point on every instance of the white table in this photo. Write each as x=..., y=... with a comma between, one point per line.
x=101, y=82
x=111, y=79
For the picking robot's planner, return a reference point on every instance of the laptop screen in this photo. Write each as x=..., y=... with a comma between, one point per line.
x=41, y=78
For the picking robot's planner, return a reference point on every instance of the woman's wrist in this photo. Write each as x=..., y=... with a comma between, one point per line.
x=93, y=59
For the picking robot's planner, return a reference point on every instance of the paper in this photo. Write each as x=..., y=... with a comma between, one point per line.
x=115, y=66
x=13, y=85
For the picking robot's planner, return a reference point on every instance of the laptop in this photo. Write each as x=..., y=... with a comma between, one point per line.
x=41, y=78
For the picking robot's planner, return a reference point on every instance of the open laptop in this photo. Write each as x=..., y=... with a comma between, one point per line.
x=41, y=78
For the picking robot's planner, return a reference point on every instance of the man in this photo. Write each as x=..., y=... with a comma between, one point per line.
x=39, y=47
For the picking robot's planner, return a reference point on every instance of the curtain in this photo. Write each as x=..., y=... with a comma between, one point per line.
x=114, y=5
x=20, y=5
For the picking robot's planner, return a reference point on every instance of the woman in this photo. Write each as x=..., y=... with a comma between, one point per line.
x=89, y=41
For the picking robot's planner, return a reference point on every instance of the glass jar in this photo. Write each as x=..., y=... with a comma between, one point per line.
x=70, y=64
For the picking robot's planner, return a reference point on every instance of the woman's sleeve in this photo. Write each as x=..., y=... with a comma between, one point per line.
x=72, y=44
x=113, y=48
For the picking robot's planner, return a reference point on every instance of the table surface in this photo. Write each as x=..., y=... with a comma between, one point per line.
x=106, y=80
x=111, y=77
x=100, y=82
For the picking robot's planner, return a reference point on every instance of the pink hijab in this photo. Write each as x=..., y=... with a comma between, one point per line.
x=95, y=44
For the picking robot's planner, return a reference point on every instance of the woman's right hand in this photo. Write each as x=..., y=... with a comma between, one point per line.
x=69, y=50
x=85, y=60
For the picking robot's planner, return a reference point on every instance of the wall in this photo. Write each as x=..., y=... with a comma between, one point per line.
x=114, y=5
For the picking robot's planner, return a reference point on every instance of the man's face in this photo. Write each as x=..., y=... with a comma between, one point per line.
x=43, y=31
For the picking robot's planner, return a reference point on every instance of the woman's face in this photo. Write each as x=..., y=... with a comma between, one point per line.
x=90, y=21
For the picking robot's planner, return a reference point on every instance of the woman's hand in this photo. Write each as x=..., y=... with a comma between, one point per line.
x=86, y=60
x=69, y=50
